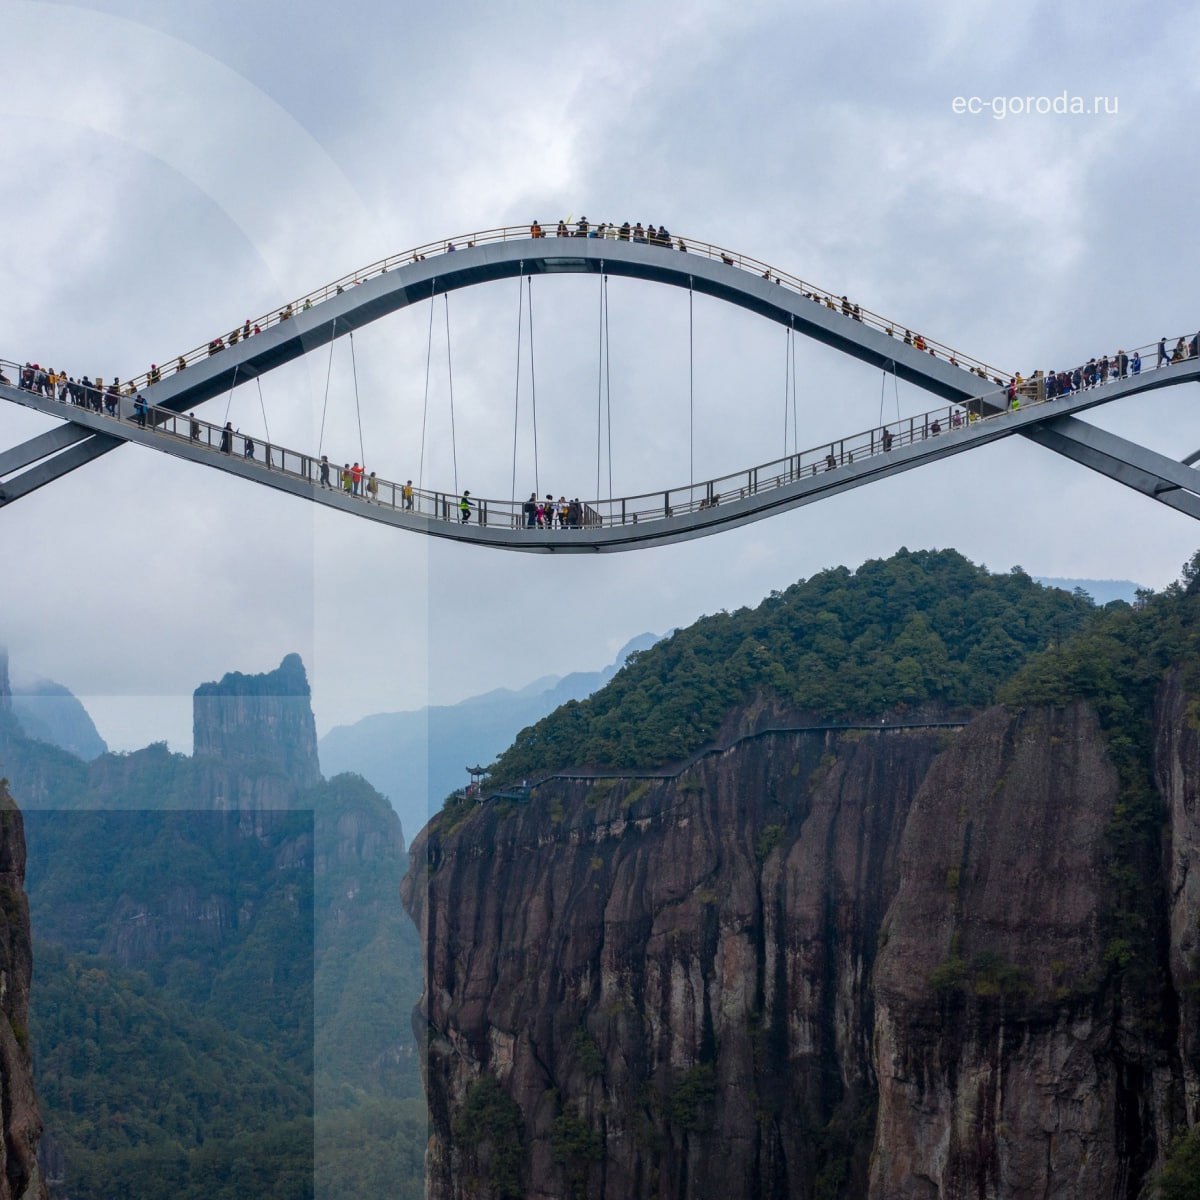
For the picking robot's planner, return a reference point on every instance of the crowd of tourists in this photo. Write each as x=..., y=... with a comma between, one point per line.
x=553, y=514
x=645, y=234
x=1098, y=371
x=548, y=513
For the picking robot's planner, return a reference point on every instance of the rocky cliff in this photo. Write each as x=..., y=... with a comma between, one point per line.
x=221, y=957
x=886, y=964
x=264, y=720
x=20, y=1119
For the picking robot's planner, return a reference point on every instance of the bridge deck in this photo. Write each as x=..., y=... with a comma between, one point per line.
x=672, y=515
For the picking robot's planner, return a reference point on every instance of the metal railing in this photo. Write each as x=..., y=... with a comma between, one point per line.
x=508, y=233
x=600, y=513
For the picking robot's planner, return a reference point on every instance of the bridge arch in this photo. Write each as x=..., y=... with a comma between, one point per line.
x=350, y=305
x=392, y=284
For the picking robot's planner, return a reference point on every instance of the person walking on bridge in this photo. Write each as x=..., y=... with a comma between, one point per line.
x=464, y=508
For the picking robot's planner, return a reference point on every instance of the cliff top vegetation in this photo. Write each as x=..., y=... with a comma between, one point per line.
x=921, y=628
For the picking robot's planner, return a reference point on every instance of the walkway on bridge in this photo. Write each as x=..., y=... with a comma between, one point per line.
x=673, y=514
x=976, y=412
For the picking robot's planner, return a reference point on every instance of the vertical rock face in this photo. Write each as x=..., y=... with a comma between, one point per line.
x=5, y=685
x=817, y=966
x=997, y=1063
x=1177, y=770
x=670, y=979
x=259, y=719
x=19, y=1116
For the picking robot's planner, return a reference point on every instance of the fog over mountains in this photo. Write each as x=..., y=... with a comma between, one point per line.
x=418, y=758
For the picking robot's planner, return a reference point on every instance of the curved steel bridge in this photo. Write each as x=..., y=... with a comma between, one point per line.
x=974, y=409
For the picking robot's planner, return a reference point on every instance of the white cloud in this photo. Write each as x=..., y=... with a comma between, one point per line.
x=192, y=170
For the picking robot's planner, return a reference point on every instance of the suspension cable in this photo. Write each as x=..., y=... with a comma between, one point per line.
x=608, y=384
x=261, y=405
x=691, y=394
x=599, y=380
x=795, y=411
x=517, y=386
x=787, y=363
x=328, y=375
x=450, y=376
x=362, y=455
x=796, y=414
x=425, y=410
x=229, y=401
x=533, y=390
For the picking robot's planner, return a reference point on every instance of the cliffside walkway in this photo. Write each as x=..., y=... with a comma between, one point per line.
x=975, y=408
x=588, y=774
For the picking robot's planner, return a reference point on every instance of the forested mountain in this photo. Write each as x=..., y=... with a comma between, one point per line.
x=924, y=628
x=224, y=974
x=837, y=962
x=50, y=713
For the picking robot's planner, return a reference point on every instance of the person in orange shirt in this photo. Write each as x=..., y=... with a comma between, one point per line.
x=356, y=476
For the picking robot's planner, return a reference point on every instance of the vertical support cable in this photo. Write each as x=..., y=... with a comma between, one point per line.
x=532, y=390
x=328, y=373
x=795, y=410
x=263, y=407
x=787, y=363
x=517, y=387
x=425, y=410
x=362, y=454
x=450, y=376
x=608, y=386
x=691, y=394
x=600, y=381
x=229, y=401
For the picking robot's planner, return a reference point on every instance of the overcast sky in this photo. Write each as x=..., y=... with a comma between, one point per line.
x=172, y=168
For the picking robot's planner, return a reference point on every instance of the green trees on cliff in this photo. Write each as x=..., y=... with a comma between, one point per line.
x=919, y=628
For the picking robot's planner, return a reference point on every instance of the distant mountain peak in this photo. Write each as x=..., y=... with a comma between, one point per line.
x=259, y=718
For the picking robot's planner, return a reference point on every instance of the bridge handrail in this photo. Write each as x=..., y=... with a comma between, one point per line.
x=506, y=233
x=661, y=504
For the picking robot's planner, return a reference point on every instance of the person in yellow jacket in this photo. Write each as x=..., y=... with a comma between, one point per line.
x=464, y=508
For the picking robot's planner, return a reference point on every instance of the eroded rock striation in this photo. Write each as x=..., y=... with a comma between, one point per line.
x=20, y=1118
x=864, y=963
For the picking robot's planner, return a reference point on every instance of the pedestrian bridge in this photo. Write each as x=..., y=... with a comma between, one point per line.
x=973, y=408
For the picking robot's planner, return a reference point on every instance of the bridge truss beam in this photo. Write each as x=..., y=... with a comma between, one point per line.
x=1176, y=484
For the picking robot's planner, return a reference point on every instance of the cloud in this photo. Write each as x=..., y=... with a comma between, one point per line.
x=184, y=171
